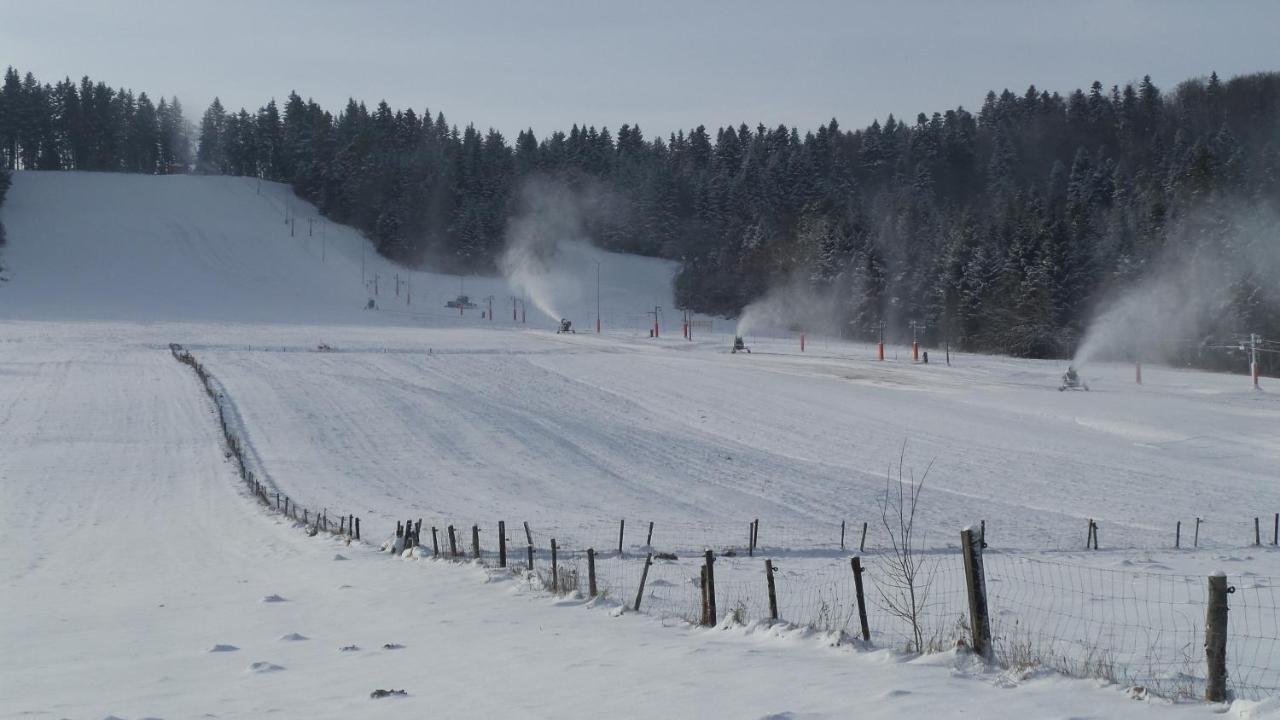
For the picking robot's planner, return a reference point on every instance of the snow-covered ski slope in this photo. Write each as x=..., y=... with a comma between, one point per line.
x=103, y=246
x=131, y=550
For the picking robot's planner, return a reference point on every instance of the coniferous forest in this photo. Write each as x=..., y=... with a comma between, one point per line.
x=1002, y=228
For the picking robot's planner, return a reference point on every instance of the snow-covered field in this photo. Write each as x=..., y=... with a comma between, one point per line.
x=132, y=549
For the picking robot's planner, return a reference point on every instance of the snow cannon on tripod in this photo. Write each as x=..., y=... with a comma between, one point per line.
x=739, y=345
x=566, y=327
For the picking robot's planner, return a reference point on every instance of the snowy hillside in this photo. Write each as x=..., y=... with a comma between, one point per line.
x=143, y=581
x=107, y=246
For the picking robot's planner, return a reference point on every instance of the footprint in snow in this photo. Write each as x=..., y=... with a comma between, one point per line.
x=223, y=648
x=263, y=667
x=293, y=637
x=339, y=556
x=896, y=693
x=273, y=599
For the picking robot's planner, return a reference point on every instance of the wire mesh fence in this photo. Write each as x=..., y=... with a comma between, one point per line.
x=1137, y=628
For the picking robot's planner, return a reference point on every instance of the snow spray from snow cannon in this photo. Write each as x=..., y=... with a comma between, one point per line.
x=794, y=307
x=1184, y=303
x=549, y=255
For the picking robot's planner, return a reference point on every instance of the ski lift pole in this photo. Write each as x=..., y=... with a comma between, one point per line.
x=1253, y=359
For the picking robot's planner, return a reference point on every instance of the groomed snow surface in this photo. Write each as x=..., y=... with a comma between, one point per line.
x=143, y=581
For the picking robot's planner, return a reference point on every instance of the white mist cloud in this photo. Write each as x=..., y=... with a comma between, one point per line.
x=1186, y=298
x=794, y=306
x=549, y=255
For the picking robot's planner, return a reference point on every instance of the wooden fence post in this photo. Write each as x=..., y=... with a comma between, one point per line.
x=475, y=541
x=711, y=588
x=1275, y=532
x=644, y=575
x=530, y=549
x=841, y=536
x=528, y=536
x=1215, y=638
x=1196, y=543
x=1257, y=531
x=702, y=588
x=773, y=596
x=856, y=562
x=555, y=569
x=982, y=534
x=453, y=544
x=502, y=543
x=435, y=542
x=862, y=544
x=751, y=539
x=351, y=525
x=979, y=619
x=755, y=536
x=1177, y=536
x=357, y=528
x=648, y=541
x=591, y=571
x=622, y=527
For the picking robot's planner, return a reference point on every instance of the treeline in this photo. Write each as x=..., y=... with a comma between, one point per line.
x=89, y=126
x=1001, y=230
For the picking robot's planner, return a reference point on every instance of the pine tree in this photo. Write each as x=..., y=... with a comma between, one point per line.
x=211, y=154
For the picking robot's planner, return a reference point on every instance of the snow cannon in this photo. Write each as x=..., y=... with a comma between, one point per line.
x=565, y=327
x=739, y=345
x=1071, y=380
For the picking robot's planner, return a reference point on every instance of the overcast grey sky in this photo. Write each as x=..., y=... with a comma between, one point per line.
x=664, y=65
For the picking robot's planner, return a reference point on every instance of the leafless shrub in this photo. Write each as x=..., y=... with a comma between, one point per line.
x=908, y=576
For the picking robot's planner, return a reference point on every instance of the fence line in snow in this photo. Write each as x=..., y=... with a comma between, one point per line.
x=315, y=521
x=1145, y=630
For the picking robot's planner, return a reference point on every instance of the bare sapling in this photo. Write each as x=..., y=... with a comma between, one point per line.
x=907, y=576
